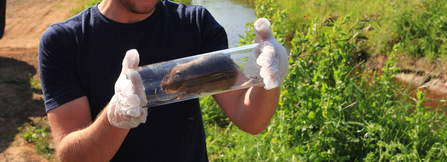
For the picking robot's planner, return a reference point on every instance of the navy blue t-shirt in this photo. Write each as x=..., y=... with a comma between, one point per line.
x=82, y=56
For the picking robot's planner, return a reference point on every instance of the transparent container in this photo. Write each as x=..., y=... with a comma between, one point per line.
x=196, y=76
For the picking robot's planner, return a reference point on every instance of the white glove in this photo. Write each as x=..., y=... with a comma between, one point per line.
x=269, y=59
x=124, y=110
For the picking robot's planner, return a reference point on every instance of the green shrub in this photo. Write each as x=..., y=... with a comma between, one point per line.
x=331, y=109
x=422, y=29
x=211, y=112
x=278, y=19
x=37, y=133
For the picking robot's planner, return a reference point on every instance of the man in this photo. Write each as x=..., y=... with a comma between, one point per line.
x=80, y=60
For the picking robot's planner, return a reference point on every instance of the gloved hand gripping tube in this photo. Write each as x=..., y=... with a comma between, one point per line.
x=196, y=76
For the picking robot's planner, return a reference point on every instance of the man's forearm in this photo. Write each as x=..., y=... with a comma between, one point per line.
x=98, y=142
x=257, y=109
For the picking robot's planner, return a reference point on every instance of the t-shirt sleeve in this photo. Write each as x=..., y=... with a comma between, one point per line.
x=57, y=67
x=213, y=34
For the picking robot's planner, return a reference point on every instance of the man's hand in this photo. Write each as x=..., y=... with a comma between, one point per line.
x=124, y=110
x=269, y=59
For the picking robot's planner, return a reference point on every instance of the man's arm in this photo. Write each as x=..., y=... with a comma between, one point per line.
x=249, y=109
x=252, y=109
x=78, y=138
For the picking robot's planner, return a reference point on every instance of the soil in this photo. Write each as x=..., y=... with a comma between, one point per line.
x=20, y=95
x=426, y=75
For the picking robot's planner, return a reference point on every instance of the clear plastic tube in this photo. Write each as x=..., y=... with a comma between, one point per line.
x=196, y=76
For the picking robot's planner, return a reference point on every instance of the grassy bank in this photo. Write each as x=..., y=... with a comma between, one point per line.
x=419, y=26
x=332, y=108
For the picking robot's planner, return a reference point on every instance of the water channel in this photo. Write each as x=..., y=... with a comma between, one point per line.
x=231, y=15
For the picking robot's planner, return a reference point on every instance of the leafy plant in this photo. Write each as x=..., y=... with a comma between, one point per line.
x=37, y=133
x=12, y=80
x=422, y=29
x=278, y=19
x=333, y=109
x=35, y=83
x=211, y=112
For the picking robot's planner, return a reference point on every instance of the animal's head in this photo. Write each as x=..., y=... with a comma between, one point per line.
x=172, y=82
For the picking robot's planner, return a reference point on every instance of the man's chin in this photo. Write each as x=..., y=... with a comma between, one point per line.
x=141, y=7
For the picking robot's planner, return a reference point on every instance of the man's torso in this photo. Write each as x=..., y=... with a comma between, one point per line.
x=93, y=48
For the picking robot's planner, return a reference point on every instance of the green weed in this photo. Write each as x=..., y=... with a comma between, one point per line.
x=331, y=109
x=24, y=84
x=39, y=134
x=12, y=80
x=35, y=83
x=212, y=114
x=418, y=25
x=278, y=19
x=422, y=29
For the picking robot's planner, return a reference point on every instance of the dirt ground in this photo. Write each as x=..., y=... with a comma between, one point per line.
x=428, y=76
x=26, y=20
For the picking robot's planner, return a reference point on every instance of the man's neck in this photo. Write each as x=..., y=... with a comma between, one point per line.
x=118, y=13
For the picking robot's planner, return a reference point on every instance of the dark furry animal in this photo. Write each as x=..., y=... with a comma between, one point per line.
x=208, y=73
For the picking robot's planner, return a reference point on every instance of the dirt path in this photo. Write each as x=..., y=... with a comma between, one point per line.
x=428, y=76
x=21, y=100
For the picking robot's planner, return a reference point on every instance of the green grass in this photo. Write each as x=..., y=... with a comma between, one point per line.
x=34, y=83
x=422, y=29
x=330, y=108
x=39, y=134
x=24, y=84
x=419, y=26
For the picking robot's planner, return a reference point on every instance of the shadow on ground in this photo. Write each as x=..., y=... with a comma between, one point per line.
x=20, y=98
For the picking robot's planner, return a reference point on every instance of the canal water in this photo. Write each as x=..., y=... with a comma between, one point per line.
x=231, y=15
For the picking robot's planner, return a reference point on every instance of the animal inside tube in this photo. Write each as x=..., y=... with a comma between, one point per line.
x=196, y=76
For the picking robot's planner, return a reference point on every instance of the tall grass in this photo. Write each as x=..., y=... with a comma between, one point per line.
x=420, y=25
x=330, y=109
x=422, y=29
